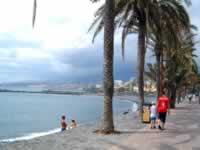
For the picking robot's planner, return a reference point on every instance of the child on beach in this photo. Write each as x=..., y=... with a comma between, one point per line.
x=73, y=124
x=153, y=115
x=63, y=123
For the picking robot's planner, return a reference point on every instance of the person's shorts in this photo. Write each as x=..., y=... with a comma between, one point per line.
x=63, y=129
x=153, y=118
x=162, y=116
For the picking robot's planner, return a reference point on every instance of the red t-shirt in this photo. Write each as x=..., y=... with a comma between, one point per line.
x=163, y=103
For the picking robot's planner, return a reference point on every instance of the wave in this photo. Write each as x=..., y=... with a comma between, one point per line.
x=31, y=136
x=36, y=135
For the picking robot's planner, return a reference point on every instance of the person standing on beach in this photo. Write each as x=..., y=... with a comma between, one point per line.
x=63, y=123
x=163, y=106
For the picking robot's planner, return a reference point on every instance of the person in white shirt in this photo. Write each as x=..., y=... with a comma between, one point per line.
x=153, y=115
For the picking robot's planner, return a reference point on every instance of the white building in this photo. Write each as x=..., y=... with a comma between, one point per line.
x=98, y=86
x=118, y=83
x=135, y=89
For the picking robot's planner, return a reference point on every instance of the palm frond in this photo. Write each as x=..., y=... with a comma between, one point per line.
x=98, y=30
x=34, y=12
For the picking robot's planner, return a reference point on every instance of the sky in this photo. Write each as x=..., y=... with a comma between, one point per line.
x=59, y=47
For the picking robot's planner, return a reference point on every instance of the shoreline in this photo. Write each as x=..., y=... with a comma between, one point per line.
x=85, y=130
x=35, y=135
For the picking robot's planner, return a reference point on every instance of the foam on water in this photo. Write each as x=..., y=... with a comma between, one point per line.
x=36, y=135
x=32, y=136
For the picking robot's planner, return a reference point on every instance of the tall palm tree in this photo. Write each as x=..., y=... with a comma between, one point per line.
x=181, y=65
x=130, y=14
x=169, y=25
x=108, y=125
x=108, y=19
x=181, y=70
x=139, y=16
x=34, y=12
x=163, y=15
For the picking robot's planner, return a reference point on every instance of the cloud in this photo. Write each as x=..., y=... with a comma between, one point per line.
x=59, y=47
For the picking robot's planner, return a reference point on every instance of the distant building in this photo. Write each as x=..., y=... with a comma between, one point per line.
x=98, y=86
x=135, y=89
x=118, y=83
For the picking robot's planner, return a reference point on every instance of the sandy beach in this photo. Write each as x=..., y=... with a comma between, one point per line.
x=182, y=132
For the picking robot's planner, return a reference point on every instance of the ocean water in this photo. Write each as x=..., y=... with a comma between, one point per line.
x=25, y=116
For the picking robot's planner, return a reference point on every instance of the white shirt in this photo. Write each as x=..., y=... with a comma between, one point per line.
x=153, y=111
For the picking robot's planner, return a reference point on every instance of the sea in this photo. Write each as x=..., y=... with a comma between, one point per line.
x=24, y=116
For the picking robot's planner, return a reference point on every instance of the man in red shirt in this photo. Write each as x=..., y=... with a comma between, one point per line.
x=163, y=106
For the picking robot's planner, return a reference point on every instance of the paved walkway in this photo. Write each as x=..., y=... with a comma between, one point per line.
x=182, y=133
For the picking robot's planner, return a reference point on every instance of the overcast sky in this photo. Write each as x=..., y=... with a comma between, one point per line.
x=59, y=49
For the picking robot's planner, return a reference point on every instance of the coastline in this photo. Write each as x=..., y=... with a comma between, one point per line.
x=34, y=135
x=70, y=138
x=182, y=133
x=75, y=93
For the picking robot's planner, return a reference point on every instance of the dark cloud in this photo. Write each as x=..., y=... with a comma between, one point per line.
x=84, y=65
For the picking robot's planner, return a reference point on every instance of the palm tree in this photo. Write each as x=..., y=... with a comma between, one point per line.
x=108, y=19
x=108, y=125
x=34, y=12
x=130, y=14
x=169, y=25
x=180, y=68
x=144, y=17
x=139, y=16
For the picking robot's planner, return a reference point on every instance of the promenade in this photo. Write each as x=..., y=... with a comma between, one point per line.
x=182, y=132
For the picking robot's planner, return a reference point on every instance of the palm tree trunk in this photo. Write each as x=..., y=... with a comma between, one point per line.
x=161, y=73
x=107, y=123
x=173, y=97
x=179, y=96
x=157, y=51
x=141, y=62
x=34, y=12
